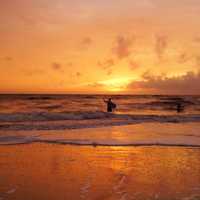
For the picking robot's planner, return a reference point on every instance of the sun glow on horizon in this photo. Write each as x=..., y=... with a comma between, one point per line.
x=116, y=84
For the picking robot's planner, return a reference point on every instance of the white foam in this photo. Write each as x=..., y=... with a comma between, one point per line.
x=84, y=190
x=79, y=120
x=51, y=116
x=192, y=197
x=11, y=191
x=149, y=134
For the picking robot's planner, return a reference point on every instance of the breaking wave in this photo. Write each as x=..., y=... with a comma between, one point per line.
x=79, y=120
x=53, y=116
x=56, y=116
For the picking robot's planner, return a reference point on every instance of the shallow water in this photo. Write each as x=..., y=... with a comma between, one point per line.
x=46, y=171
x=143, y=134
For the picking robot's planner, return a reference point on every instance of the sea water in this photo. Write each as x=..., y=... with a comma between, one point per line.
x=137, y=120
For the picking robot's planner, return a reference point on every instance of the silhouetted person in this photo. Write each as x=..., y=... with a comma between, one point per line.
x=110, y=105
x=179, y=107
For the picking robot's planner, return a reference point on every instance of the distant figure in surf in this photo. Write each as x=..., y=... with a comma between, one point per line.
x=110, y=105
x=179, y=107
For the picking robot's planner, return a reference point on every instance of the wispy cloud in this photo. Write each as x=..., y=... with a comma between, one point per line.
x=122, y=47
x=7, y=58
x=57, y=66
x=86, y=42
x=96, y=85
x=34, y=72
x=133, y=65
x=107, y=65
x=197, y=61
x=70, y=64
x=161, y=43
x=197, y=39
x=78, y=74
x=109, y=72
x=184, y=57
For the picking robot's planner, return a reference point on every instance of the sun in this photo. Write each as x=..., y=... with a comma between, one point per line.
x=116, y=84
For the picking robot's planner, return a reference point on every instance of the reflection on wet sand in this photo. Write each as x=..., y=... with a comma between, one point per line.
x=48, y=171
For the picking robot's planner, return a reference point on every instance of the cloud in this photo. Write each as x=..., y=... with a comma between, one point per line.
x=192, y=58
x=133, y=65
x=122, y=47
x=7, y=58
x=34, y=72
x=96, y=85
x=109, y=72
x=106, y=64
x=70, y=64
x=197, y=61
x=78, y=74
x=197, y=39
x=161, y=43
x=56, y=66
x=188, y=83
x=86, y=42
x=183, y=58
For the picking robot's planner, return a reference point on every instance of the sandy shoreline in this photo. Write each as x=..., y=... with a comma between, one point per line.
x=51, y=171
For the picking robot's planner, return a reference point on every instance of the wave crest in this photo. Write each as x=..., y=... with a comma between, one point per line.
x=52, y=116
x=79, y=120
x=56, y=116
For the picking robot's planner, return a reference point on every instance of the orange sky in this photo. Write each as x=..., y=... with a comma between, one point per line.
x=92, y=46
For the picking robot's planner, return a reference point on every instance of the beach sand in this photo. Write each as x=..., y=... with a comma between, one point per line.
x=66, y=172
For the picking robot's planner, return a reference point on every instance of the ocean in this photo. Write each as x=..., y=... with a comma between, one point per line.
x=29, y=113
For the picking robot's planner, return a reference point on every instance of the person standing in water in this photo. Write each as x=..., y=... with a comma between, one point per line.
x=110, y=105
x=179, y=107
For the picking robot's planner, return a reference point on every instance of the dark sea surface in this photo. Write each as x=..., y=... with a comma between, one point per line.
x=69, y=107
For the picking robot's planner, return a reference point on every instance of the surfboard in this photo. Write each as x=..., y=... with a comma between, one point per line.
x=114, y=105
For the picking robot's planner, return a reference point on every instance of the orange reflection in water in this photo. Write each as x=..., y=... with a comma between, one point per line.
x=43, y=171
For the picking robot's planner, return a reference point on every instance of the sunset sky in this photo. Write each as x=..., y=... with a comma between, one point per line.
x=100, y=46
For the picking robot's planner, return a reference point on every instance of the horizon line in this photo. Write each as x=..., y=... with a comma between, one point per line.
x=112, y=94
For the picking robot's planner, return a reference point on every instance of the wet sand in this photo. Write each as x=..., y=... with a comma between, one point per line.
x=51, y=171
